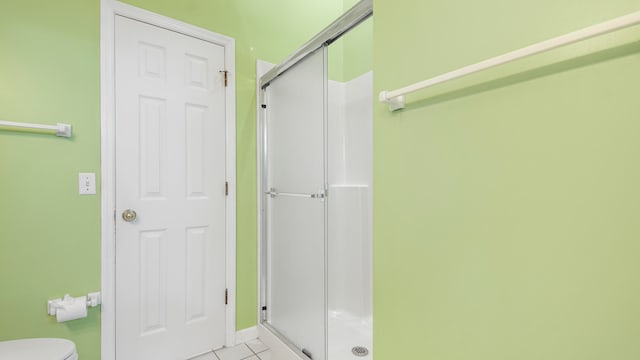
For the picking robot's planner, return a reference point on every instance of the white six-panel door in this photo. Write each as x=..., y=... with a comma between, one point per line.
x=170, y=170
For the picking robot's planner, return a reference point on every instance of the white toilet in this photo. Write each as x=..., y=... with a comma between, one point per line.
x=38, y=349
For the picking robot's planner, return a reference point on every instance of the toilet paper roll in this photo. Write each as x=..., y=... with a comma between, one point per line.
x=72, y=308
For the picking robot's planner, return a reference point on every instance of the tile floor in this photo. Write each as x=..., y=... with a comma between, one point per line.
x=251, y=350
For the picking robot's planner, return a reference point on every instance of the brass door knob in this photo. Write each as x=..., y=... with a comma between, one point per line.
x=129, y=215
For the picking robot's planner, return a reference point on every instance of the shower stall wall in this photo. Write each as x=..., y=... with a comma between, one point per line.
x=349, y=236
x=315, y=170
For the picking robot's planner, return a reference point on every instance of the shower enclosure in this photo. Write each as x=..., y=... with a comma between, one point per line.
x=315, y=169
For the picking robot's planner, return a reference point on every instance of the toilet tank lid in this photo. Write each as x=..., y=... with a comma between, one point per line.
x=37, y=349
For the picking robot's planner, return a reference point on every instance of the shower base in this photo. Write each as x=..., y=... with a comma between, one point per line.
x=346, y=332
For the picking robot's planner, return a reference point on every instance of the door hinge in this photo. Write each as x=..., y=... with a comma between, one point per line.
x=226, y=296
x=226, y=188
x=226, y=77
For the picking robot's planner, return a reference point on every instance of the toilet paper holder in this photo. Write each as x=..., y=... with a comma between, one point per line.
x=93, y=300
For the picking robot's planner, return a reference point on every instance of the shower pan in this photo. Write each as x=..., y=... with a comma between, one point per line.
x=315, y=169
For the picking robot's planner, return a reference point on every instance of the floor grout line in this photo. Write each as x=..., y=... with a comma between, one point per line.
x=252, y=355
x=259, y=352
x=253, y=352
x=250, y=348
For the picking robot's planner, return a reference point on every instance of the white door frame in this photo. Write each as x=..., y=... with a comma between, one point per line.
x=108, y=10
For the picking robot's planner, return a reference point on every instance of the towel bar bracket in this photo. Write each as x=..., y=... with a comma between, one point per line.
x=395, y=103
x=63, y=130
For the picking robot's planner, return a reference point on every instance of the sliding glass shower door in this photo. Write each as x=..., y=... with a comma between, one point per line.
x=294, y=199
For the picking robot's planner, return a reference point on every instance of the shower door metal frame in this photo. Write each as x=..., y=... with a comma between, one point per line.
x=360, y=12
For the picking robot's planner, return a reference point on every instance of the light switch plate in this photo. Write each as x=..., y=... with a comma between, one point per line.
x=87, y=183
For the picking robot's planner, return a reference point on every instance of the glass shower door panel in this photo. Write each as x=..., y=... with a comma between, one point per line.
x=295, y=127
x=296, y=305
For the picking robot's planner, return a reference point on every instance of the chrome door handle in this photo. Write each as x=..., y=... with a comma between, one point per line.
x=129, y=215
x=320, y=195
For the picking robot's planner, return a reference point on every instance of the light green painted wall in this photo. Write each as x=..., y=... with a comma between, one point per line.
x=358, y=50
x=358, y=47
x=506, y=213
x=49, y=235
x=49, y=72
x=508, y=209
x=352, y=54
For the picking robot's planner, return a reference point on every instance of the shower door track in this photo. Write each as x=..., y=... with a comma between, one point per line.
x=285, y=340
x=350, y=19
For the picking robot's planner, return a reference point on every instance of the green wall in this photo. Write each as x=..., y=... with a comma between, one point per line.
x=50, y=72
x=506, y=205
x=49, y=235
x=358, y=50
x=352, y=54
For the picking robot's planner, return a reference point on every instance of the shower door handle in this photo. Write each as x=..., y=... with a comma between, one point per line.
x=273, y=193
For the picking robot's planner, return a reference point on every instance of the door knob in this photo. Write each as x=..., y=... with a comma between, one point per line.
x=129, y=215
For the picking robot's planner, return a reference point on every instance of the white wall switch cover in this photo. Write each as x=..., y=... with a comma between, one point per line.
x=87, y=183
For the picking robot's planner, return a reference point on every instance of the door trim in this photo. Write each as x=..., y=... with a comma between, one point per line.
x=108, y=10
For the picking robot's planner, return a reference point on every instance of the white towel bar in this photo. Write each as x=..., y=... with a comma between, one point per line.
x=63, y=130
x=395, y=98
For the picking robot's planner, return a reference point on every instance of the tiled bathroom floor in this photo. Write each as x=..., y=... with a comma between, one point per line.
x=251, y=350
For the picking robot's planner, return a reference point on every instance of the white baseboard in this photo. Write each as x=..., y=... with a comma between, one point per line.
x=247, y=334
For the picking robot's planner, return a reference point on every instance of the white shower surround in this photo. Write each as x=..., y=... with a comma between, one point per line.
x=350, y=172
